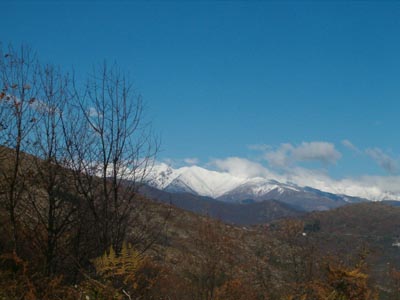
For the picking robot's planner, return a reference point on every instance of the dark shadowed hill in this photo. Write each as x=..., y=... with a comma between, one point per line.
x=248, y=213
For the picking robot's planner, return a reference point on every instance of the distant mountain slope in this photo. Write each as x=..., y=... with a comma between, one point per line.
x=372, y=227
x=392, y=202
x=306, y=198
x=247, y=213
x=228, y=188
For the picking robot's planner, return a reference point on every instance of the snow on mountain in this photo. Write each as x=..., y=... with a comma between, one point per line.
x=227, y=187
x=256, y=188
x=193, y=179
x=161, y=175
x=203, y=182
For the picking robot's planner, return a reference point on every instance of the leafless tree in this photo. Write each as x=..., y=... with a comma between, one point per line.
x=110, y=150
x=19, y=87
x=51, y=196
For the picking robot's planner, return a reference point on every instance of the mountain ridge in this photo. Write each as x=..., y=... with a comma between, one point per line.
x=225, y=187
x=244, y=213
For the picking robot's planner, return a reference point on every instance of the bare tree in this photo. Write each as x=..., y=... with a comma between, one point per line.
x=18, y=80
x=50, y=192
x=111, y=148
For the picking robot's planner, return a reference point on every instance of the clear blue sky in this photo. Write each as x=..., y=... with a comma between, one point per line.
x=218, y=77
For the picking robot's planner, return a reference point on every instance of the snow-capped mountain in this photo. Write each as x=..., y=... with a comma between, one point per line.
x=228, y=188
x=257, y=188
x=193, y=179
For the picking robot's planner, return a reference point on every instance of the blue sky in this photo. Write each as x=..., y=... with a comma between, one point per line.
x=242, y=79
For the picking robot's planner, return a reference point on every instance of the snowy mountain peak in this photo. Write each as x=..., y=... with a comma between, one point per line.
x=203, y=182
x=193, y=179
x=227, y=187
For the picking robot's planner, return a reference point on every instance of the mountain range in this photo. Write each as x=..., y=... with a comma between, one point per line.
x=226, y=188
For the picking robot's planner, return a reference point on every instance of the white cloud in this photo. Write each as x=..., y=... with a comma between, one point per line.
x=316, y=151
x=386, y=162
x=280, y=157
x=287, y=154
x=180, y=162
x=241, y=167
x=351, y=146
x=92, y=112
x=369, y=187
x=282, y=167
x=191, y=160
